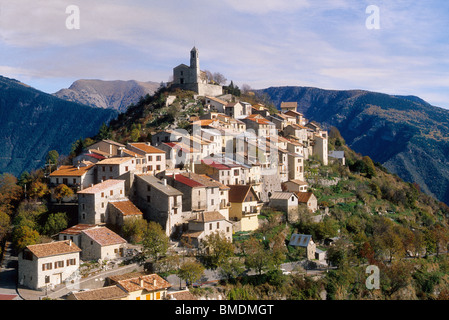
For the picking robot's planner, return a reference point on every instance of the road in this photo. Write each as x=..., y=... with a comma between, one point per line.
x=8, y=276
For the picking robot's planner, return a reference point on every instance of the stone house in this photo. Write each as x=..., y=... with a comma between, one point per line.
x=299, y=117
x=304, y=241
x=215, y=104
x=295, y=166
x=205, y=224
x=93, y=201
x=101, y=243
x=48, y=264
x=298, y=131
x=261, y=126
x=79, y=177
x=178, y=154
x=287, y=106
x=74, y=233
x=154, y=157
x=245, y=207
x=108, y=147
x=160, y=202
x=225, y=172
x=121, y=168
x=201, y=193
x=121, y=210
x=309, y=200
x=295, y=186
x=105, y=293
x=284, y=201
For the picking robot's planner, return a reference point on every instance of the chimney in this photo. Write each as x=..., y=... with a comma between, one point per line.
x=154, y=281
x=141, y=282
x=70, y=242
x=164, y=181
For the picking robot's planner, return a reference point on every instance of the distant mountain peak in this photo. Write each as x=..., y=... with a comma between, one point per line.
x=107, y=94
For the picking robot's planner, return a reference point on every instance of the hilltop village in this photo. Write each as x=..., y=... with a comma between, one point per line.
x=213, y=179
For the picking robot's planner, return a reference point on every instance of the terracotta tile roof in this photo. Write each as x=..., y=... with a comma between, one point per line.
x=104, y=236
x=53, y=248
x=132, y=153
x=209, y=216
x=77, y=228
x=151, y=282
x=106, y=293
x=238, y=193
x=280, y=195
x=102, y=153
x=216, y=100
x=115, y=160
x=102, y=186
x=159, y=185
x=114, y=143
x=70, y=171
x=127, y=208
x=146, y=148
x=298, y=182
x=95, y=156
x=126, y=276
x=304, y=197
x=285, y=105
x=193, y=180
x=181, y=295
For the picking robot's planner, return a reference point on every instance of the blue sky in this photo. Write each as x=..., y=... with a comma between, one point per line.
x=261, y=43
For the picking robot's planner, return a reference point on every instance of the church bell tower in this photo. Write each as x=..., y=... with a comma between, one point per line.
x=195, y=64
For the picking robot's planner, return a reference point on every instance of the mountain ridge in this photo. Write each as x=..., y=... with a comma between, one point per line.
x=33, y=122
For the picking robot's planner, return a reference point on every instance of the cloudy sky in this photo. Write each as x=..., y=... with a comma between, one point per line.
x=262, y=43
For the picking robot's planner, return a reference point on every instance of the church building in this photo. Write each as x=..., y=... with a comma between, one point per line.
x=193, y=79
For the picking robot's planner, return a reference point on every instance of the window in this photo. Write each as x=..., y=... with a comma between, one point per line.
x=110, y=168
x=148, y=188
x=212, y=202
x=148, y=198
x=227, y=229
x=158, y=158
x=103, y=168
x=46, y=266
x=126, y=168
x=102, y=204
x=83, y=206
x=47, y=279
x=150, y=158
x=158, y=167
x=111, y=192
x=218, y=225
x=210, y=226
x=102, y=194
x=64, y=181
x=71, y=262
x=59, y=264
x=74, y=181
x=150, y=168
x=57, y=180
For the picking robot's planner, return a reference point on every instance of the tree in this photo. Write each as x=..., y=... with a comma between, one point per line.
x=38, y=190
x=24, y=236
x=135, y=135
x=62, y=191
x=134, y=229
x=78, y=146
x=370, y=169
x=256, y=256
x=52, y=157
x=218, y=248
x=104, y=133
x=231, y=269
x=191, y=272
x=155, y=241
x=55, y=223
x=219, y=78
x=10, y=192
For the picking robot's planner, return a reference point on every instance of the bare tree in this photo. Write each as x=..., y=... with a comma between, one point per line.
x=219, y=78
